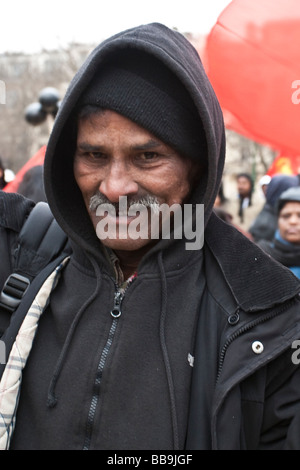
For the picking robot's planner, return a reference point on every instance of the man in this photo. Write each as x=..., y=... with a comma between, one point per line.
x=147, y=342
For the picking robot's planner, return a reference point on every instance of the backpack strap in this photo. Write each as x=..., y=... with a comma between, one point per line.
x=10, y=334
x=40, y=241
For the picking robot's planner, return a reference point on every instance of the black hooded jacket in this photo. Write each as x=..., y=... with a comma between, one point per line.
x=200, y=357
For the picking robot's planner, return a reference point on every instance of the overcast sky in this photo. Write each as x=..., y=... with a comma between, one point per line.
x=29, y=25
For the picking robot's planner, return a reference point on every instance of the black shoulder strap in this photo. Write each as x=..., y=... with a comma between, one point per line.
x=42, y=245
x=40, y=241
x=10, y=334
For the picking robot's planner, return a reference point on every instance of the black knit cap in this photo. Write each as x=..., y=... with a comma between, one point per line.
x=140, y=87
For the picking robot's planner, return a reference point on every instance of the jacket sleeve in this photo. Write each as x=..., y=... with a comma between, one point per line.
x=14, y=209
x=281, y=421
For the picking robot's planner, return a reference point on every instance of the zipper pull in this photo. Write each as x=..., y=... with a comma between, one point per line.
x=234, y=318
x=116, y=311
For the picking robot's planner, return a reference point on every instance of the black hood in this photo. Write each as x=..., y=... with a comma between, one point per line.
x=177, y=53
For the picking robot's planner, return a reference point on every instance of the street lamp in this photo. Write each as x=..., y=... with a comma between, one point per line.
x=36, y=113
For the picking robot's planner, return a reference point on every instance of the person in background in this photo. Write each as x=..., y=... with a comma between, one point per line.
x=285, y=247
x=264, y=183
x=221, y=210
x=32, y=184
x=245, y=188
x=245, y=206
x=265, y=224
x=2, y=174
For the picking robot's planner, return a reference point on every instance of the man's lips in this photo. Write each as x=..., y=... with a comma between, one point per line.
x=119, y=218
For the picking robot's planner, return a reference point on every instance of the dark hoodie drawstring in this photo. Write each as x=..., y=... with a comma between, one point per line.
x=164, y=298
x=52, y=399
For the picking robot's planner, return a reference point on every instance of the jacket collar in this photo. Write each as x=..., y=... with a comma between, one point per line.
x=255, y=280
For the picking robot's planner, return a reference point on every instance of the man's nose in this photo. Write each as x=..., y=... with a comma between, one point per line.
x=117, y=182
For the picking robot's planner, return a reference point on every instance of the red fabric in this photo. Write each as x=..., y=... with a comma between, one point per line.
x=286, y=165
x=37, y=159
x=252, y=58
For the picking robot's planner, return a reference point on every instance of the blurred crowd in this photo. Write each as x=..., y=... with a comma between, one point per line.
x=273, y=224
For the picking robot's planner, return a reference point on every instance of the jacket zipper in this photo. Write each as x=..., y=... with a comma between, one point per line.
x=115, y=313
x=246, y=328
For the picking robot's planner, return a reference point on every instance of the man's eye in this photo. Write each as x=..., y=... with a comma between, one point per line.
x=90, y=155
x=149, y=156
x=96, y=155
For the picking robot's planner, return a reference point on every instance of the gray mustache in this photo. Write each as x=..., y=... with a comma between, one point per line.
x=147, y=201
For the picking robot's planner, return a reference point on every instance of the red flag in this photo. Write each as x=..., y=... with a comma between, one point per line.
x=37, y=159
x=252, y=58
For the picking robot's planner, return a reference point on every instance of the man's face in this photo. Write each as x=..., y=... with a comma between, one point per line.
x=289, y=222
x=115, y=158
x=244, y=186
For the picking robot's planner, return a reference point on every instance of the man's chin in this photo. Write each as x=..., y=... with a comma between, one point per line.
x=127, y=244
